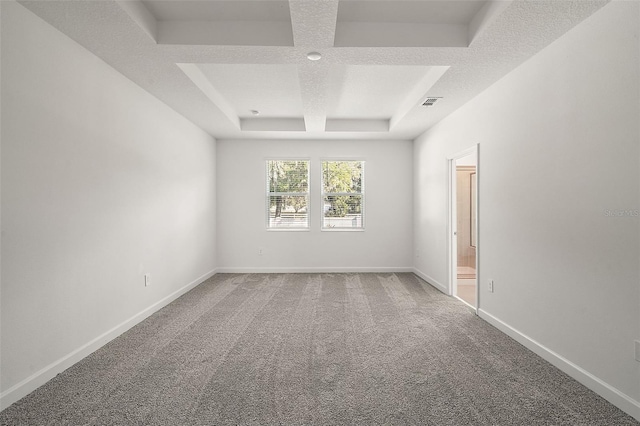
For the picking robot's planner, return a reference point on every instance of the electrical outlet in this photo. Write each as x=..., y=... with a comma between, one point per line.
x=147, y=280
x=490, y=286
x=637, y=350
x=260, y=251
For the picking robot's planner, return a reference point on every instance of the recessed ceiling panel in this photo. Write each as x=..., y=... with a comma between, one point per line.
x=271, y=90
x=228, y=23
x=213, y=10
x=416, y=23
x=371, y=91
x=414, y=11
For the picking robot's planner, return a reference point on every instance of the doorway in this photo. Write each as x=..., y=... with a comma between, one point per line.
x=463, y=199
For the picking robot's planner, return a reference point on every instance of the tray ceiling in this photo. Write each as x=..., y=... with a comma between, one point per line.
x=239, y=69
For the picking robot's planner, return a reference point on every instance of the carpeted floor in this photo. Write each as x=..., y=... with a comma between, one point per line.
x=370, y=349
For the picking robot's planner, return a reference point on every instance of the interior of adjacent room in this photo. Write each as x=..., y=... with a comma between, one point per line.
x=466, y=190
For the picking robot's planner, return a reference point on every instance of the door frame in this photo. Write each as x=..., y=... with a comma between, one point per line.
x=452, y=221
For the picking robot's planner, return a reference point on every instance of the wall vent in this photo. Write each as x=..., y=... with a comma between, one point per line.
x=429, y=102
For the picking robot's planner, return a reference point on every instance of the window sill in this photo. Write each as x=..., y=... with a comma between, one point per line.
x=288, y=229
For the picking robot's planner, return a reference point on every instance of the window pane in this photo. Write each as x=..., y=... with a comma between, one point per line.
x=342, y=176
x=288, y=211
x=288, y=176
x=344, y=211
x=288, y=194
x=342, y=191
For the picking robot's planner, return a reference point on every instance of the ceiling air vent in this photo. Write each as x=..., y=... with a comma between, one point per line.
x=429, y=102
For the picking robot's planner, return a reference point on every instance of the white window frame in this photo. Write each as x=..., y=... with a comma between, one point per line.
x=338, y=194
x=270, y=194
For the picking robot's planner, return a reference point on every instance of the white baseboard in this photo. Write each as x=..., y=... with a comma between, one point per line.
x=432, y=281
x=41, y=377
x=605, y=390
x=312, y=270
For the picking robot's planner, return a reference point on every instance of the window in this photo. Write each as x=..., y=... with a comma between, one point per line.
x=287, y=194
x=342, y=194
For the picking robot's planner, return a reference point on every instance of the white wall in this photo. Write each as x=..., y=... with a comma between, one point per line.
x=384, y=245
x=559, y=146
x=101, y=183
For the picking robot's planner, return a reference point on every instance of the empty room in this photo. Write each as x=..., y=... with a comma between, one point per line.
x=373, y=212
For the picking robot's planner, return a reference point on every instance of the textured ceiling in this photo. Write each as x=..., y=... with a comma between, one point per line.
x=216, y=61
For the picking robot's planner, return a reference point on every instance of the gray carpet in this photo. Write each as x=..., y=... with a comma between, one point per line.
x=370, y=349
